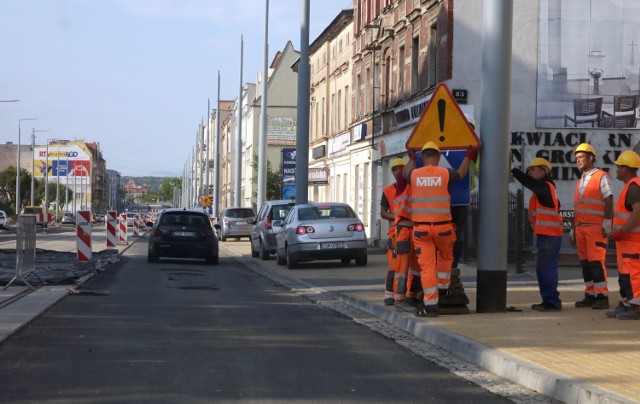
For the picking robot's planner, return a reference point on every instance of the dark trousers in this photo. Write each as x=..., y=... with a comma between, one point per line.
x=547, y=268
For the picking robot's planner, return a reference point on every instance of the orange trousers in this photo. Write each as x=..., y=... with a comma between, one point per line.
x=628, y=258
x=391, y=263
x=434, y=249
x=406, y=276
x=592, y=251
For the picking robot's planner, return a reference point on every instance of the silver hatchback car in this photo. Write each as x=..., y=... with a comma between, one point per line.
x=263, y=232
x=321, y=231
x=234, y=222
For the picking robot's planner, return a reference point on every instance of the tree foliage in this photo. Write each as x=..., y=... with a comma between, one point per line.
x=274, y=181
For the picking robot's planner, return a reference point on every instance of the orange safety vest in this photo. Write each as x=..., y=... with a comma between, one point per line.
x=398, y=203
x=544, y=220
x=589, y=208
x=621, y=214
x=430, y=198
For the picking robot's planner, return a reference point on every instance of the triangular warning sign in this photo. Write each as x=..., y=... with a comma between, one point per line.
x=444, y=123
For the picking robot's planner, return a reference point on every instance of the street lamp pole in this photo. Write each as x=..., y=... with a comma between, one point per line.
x=33, y=163
x=18, y=164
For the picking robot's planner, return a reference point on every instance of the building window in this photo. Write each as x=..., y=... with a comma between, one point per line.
x=432, y=56
x=358, y=95
x=367, y=89
x=339, y=109
x=346, y=106
x=376, y=86
x=324, y=106
x=401, y=73
x=333, y=113
x=415, y=53
x=387, y=81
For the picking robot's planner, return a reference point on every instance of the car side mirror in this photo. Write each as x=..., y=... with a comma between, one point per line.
x=251, y=221
x=149, y=224
x=216, y=226
x=277, y=223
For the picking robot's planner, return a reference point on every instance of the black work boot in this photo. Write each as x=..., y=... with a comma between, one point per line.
x=602, y=302
x=588, y=301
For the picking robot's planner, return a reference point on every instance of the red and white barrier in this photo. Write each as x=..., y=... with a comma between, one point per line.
x=136, y=226
x=122, y=226
x=83, y=239
x=111, y=223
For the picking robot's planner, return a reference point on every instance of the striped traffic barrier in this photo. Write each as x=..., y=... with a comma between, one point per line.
x=122, y=226
x=111, y=223
x=83, y=239
x=136, y=226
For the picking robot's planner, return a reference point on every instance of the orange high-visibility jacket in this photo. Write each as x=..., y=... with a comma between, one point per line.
x=589, y=208
x=621, y=214
x=545, y=220
x=430, y=198
x=398, y=203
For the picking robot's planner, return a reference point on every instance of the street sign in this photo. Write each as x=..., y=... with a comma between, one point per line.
x=204, y=200
x=460, y=191
x=444, y=123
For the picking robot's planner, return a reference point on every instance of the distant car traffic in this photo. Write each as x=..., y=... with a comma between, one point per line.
x=321, y=231
x=181, y=233
x=263, y=232
x=233, y=222
x=4, y=220
x=131, y=217
x=68, y=218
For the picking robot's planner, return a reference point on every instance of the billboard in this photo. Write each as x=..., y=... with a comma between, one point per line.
x=288, y=173
x=588, y=72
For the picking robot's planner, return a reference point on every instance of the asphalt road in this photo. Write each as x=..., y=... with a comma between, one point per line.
x=183, y=331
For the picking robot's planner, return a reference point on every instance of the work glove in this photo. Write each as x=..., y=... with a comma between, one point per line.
x=412, y=154
x=472, y=153
x=617, y=235
x=606, y=227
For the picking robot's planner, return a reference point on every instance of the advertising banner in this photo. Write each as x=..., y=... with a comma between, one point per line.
x=288, y=173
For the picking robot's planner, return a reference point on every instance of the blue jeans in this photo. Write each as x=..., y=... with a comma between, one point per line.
x=547, y=268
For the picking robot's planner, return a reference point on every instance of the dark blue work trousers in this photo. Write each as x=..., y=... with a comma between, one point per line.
x=547, y=268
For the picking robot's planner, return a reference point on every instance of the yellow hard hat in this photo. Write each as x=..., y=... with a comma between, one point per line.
x=540, y=162
x=628, y=158
x=397, y=162
x=430, y=145
x=585, y=147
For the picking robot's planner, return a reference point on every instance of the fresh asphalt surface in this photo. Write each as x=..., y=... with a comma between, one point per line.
x=181, y=331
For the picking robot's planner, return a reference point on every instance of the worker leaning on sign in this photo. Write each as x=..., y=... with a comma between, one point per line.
x=433, y=232
x=593, y=211
x=626, y=234
x=546, y=222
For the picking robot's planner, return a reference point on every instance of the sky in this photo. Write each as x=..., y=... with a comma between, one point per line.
x=135, y=75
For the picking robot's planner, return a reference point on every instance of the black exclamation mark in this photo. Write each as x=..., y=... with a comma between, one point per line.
x=442, y=109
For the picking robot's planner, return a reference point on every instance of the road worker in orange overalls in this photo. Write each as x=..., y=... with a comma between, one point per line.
x=626, y=234
x=395, y=208
x=592, y=221
x=433, y=231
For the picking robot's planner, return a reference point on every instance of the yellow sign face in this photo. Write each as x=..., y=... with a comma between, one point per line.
x=444, y=123
x=205, y=200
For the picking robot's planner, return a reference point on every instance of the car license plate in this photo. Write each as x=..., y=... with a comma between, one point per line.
x=184, y=233
x=336, y=244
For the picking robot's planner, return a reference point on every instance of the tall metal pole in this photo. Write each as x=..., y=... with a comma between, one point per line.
x=302, y=124
x=216, y=168
x=57, y=184
x=33, y=166
x=494, y=133
x=208, y=143
x=202, y=151
x=66, y=185
x=196, y=176
x=262, y=148
x=237, y=201
x=46, y=185
x=18, y=163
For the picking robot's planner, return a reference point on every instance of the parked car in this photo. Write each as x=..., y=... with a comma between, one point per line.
x=263, y=232
x=321, y=231
x=68, y=218
x=131, y=217
x=183, y=233
x=4, y=220
x=234, y=222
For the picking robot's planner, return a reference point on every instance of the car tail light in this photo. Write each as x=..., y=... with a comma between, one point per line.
x=161, y=232
x=207, y=234
x=267, y=223
x=356, y=227
x=300, y=230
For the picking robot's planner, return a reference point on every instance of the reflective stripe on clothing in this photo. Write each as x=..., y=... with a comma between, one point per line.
x=545, y=220
x=434, y=249
x=592, y=251
x=430, y=198
x=588, y=200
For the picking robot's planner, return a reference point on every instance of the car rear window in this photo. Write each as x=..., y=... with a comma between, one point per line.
x=183, y=219
x=240, y=213
x=279, y=212
x=325, y=212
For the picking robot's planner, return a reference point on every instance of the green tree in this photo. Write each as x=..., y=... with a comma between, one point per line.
x=167, y=187
x=274, y=181
x=8, y=187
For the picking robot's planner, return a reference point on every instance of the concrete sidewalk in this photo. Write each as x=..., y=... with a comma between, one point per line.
x=575, y=356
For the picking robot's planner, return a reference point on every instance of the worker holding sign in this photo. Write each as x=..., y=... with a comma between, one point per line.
x=433, y=232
